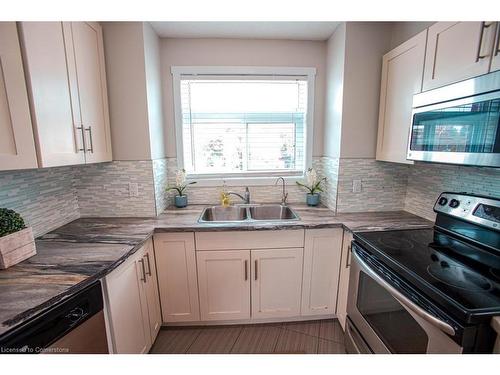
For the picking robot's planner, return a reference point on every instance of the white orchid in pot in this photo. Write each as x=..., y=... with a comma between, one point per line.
x=180, y=186
x=313, y=185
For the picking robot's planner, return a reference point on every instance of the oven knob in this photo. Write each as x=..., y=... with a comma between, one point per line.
x=454, y=203
x=442, y=201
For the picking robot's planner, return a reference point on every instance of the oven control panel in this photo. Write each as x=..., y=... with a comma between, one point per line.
x=476, y=209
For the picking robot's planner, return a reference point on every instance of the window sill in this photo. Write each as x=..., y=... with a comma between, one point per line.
x=242, y=181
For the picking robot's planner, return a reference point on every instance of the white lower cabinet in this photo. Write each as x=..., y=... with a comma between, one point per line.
x=345, y=268
x=152, y=294
x=276, y=282
x=127, y=306
x=322, y=252
x=177, y=280
x=224, y=284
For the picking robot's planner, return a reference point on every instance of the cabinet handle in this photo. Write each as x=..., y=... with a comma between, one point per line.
x=82, y=131
x=478, y=55
x=497, y=45
x=149, y=264
x=143, y=278
x=256, y=265
x=348, y=257
x=91, y=149
x=246, y=270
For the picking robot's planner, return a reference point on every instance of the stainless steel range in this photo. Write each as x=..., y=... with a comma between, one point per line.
x=428, y=290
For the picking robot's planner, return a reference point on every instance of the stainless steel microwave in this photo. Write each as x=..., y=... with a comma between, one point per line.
x=458, y=123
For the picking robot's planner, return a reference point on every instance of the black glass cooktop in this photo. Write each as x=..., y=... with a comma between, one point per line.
x=459, y=275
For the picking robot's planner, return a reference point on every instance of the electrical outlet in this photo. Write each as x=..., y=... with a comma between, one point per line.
x=133, y=189
x=356, y=186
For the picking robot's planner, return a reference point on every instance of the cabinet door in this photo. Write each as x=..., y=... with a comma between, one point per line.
x=344, y=278
x=224, y=284
x=276, y=282
x=17, y=148
x=59, y=141
x=177, y=282
x=127, y=309
x=322, y=253
x=495, y=59
x=456, y=51
x=152, y=295
x=402, y=71
x=91, y=75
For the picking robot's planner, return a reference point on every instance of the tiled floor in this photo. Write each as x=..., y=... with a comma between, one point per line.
x=319, y=336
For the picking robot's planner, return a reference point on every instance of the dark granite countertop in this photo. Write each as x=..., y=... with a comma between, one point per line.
x=76, y=254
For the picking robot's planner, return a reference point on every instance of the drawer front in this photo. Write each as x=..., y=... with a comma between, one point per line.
x=249, y=240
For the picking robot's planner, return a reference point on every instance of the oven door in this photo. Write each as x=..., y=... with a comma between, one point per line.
x=388, y=320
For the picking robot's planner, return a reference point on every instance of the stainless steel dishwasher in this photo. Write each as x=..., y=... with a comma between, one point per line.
x=73, y=326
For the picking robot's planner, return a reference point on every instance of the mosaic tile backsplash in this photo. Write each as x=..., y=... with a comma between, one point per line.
x=103, y=189
x=383, y=185
x=51, y=197
x=259, y=193
x=45, y=198
x=427, y=181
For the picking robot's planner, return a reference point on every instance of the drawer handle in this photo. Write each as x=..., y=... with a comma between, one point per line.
x=143, y=278
x=256, y=266
x=91, y=149
x=149, y=264
x=481, y=35
x=82, y=131
x=348, y=257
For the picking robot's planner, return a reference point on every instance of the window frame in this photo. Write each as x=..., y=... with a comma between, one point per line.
x=246, y=178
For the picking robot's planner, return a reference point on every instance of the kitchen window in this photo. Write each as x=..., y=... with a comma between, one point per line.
x=237, y=122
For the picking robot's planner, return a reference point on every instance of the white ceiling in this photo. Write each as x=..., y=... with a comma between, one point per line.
x=246, y=30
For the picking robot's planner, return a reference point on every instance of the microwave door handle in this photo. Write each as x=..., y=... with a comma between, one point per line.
x=443, y=326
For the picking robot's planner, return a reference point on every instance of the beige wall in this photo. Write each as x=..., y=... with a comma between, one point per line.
x=154, y=91
x=402, y=31
x=242, y=52
x=335, y=59
x=366, y=43
x=128, y=109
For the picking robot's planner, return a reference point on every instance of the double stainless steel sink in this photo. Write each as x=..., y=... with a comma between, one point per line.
x=247, y=213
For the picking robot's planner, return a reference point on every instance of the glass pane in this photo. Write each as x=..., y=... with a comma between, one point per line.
x=466, y=128
x=243, y=126
x=271, y=146
x=392, y=323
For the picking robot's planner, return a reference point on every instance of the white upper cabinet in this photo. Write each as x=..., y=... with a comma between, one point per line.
x=402, y=71
x=55, y=124
x=177, y=280
x=322, y=252
x=457, y=51
x=495, y=59
x=67, y=87
x=90, y=72
x=276, y=282
x=17, y=148
x=224, y=284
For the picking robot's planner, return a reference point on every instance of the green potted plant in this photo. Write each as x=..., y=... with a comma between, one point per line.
x=16, y=240
x=180, y=186
x=313, y=185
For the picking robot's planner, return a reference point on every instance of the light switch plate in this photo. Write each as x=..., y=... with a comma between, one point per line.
x=356, y=186
x=133, y=189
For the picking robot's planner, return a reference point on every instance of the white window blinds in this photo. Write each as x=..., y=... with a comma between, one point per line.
x=242, y=125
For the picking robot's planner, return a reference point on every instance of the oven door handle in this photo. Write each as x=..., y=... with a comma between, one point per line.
x=443, y=326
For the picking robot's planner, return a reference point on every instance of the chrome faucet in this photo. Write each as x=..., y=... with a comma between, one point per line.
x=245, y=198
x=284, y=194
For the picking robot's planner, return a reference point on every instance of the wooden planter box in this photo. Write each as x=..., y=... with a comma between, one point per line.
x=16, y=247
